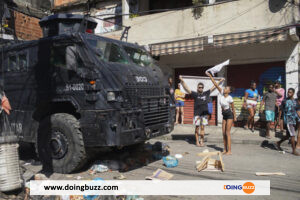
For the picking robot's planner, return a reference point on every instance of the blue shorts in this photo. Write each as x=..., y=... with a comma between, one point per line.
x=179, y=103
x=270, y=115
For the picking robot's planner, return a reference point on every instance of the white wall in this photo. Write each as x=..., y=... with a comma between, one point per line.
x=235, y=16
x=292, y=69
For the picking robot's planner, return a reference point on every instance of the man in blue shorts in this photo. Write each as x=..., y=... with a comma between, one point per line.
x=269, y=100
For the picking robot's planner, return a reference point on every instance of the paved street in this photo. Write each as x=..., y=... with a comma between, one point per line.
x=245, y=161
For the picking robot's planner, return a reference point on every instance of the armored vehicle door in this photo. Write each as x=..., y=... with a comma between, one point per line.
x=20, y=86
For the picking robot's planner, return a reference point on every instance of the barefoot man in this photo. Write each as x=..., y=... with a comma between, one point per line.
x=201, y=99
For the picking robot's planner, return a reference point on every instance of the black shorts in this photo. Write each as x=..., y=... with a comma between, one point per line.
x=227, y=114
x=277, y=113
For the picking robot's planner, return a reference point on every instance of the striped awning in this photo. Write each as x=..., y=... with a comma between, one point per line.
x=176, y=47
x=198, y=44
x=250, y=37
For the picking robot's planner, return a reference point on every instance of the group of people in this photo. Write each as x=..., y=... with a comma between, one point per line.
x=285, y=112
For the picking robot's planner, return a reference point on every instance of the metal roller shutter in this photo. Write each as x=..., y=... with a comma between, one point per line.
x=240, y=76
x=189, y=112
x=189, y=103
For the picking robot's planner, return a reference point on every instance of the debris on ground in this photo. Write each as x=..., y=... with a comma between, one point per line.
x=178, y=156
x=170, y=161
x=120, y=177
x=160, y=174
x=269, y=173
x=98, y=168
x=133, y=197
x=40, y=177
x=208, y=163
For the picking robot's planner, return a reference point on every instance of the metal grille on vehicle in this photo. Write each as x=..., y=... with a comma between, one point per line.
x=152, y=100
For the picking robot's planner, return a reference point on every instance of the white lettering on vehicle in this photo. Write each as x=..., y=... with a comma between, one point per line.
x=141, y=79
x=74, y=87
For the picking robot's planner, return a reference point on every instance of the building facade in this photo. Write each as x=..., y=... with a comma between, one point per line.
x=261, y=39
x=106, y=13
x=20, y=18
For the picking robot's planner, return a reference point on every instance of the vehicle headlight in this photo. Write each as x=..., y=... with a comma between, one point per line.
x=111, y=96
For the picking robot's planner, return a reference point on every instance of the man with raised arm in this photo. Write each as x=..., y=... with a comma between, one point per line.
x=201, y=99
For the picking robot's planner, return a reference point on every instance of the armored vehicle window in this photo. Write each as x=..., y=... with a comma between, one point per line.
x=138, y=56
x=108, y=51
x=58, y=56
x=116, y=55
x=23, y=61
x=12, y=63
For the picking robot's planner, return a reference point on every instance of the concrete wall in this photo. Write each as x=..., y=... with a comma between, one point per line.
x=235, y=16
x=292, y=69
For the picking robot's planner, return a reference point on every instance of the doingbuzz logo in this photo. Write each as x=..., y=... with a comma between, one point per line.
x=248, y=187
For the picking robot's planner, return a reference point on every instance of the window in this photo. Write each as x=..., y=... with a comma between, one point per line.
x=23, y=61
x=12, y=63
x=138, y=56
x=58, y=56
x=108, y=51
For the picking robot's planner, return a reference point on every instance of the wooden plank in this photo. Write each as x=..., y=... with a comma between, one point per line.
x=269, y=173
x=222, y=163
x=203, y=163
x=213, y=153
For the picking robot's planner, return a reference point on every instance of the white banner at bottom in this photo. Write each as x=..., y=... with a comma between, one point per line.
x=150, y=187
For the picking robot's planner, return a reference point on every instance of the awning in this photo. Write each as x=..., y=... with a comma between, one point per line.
x=176, y=47
x=200, y=43
x=250, y=37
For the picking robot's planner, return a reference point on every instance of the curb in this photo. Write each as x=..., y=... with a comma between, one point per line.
x=218, y=140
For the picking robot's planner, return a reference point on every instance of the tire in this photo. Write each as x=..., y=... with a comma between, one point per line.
x=60, y=145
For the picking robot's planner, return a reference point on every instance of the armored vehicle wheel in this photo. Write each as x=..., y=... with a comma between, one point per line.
x=60, y=144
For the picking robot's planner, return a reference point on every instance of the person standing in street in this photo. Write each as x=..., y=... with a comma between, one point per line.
x=228, y=112
x=201, y=98
x=298, y=123
x=288, y=108
x=179, y=97
x=280, y=96
x=171, y=90
x=250, y=102
x=269, y=100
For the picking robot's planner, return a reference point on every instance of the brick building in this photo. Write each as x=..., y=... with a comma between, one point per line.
x=20, y=19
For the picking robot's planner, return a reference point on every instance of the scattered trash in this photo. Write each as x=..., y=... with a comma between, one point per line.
x=69, y=176
x=186, y=153
x=178, y=156
x=40, y=177
x=78, y=177
x=132, y=197
x=120, y=177
x=269, y=173
x=148, y=147
x=98, y=168
x=205, y=151
x=157, y=155
x=209, y=164
x=282, y=152
x=27, y=191
x=170, y=161
x=160, y=174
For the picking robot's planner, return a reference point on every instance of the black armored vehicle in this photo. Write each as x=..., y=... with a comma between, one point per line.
x=73, y=91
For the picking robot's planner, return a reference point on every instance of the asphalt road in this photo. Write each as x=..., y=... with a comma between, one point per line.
x=245, y=161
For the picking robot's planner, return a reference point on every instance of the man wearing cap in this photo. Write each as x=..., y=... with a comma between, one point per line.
x=280, y=96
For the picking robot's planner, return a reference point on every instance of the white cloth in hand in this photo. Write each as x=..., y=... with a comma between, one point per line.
x=217, y=68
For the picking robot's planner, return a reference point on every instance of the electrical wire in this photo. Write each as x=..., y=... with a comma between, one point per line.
x=165, y=10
